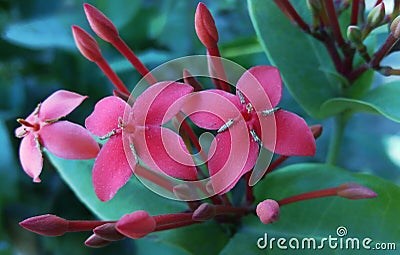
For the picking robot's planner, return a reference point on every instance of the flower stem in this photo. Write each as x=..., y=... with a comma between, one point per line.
x=337, y=137
x=309, y=195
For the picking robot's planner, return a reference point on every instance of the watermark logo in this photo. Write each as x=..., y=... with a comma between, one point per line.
x=340, y=241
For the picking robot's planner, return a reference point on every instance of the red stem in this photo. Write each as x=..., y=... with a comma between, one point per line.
x=334, y=22
x=218, y=67
x=122, y=47
x=383, y=51
x=309, y=195
x=354, y=12
x=81, y=225
x=287, y=8
x=112, y=76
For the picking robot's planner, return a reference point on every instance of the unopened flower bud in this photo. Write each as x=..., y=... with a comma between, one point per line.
x=205, y=26
x=268, y=211
x=204, y=212
x=395, y=27
x=355, y=191
x=376, y=15
x=354, y=35
x=47, y=225
x=94, y=241
x=86, y=44
x=100, y=24
x=108, y=232
x=316, y=130
x=136, y=225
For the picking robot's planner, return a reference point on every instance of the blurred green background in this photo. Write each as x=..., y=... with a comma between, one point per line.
x=38, y=56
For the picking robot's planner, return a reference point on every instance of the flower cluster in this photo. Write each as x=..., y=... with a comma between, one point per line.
x=246, y=121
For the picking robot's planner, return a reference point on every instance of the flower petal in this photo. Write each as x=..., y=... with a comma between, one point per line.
x=235, y=154
x=59, y=104
x=262, y=85
x=293, y=136
x=31, y=157
x=160, y=102
x=69, y=140
x=111, y=170
x=210, y=109
x=163, y=150
x=104, y=117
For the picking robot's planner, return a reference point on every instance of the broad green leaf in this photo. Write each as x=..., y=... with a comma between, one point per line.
x=383, y=100
x=299, y=57
x=373, y=218
x=44, y=32
x=120, y=12
x=132, y=197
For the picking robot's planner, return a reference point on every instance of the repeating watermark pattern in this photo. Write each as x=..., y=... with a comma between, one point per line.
x=340, y=241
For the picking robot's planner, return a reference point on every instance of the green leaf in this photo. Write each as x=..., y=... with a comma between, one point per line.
x=298, y=56
x=374, y=218
x=120, y=12
x=44, y=32
x=383, y=100
x=132, y=197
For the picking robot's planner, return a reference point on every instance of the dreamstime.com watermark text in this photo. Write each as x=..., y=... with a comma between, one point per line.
x=339, y=241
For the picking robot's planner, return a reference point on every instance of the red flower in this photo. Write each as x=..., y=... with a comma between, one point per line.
x=64, y=139
x=158, y=147
x=246, y=121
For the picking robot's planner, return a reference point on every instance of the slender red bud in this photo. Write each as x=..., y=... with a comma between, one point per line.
x=268, y=211
x=355, y=191
x=108, y=232
x=94, y=241
x=136, y=225
x=100, y=24
x=86, y=44
x=204, y=212
x=205, y=26
x=47, y=225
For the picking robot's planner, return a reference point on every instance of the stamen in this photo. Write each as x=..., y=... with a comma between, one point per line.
x=255, y=137
x=104, y=137
x=269, y=112
x=241, y=97
x=249, y=108
x=225, y=126
x=132, y=146
x=37, y=109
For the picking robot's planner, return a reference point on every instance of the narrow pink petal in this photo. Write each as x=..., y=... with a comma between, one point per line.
x=111, y=170
x=234, y=155
x=163, y=150
x=68, y=140
x=262, y=85
x=105, y=116
x=31, y=157
x=160, y=102
x=293, y=136
x=59, y=104
x=210, y=109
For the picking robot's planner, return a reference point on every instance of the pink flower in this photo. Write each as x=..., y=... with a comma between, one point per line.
x=246, y=121
x=64, y=139
x=158, y=147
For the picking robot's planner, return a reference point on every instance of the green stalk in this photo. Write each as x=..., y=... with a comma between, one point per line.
x=341, y=121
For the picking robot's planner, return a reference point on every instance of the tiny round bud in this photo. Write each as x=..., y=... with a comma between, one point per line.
x=136, y=225
x=316, y=130
x=355, y=191
x=376, y=15
x=86, y=44
x=205, y=26
x=395, y=27
x=354, y=34
x=47, y=225
x=100, y=24
x=268, y=211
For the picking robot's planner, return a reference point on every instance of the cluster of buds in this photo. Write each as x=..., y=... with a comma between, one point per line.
x=252, y=113
x=325, y=28
x=139, y=224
